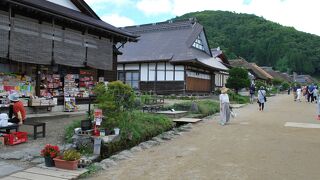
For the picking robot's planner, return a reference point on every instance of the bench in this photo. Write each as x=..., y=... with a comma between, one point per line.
x=9, y=128
x=35, y=128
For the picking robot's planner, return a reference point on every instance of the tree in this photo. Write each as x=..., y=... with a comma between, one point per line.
x=114, y=100
x=238, y=79
x=276, y=81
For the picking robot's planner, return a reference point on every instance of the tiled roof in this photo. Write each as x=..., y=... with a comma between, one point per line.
x=166, y=41
x=70, y=14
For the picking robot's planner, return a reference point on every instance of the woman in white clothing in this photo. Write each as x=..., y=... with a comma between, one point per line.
x=224, y=106
x=299, y=92
x=261, y=98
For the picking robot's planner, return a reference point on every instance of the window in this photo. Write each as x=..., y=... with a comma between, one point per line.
x=198, y=43
x=121, y=76
x=130, y=77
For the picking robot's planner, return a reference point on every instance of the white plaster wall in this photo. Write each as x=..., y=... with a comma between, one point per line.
x=65, y=3
x=169, y=72
x=144, y=72
x=120, y=67
x=132, y=67
x=198, y=75
x=160, y=71
x=152, y=70
x=169, y=75
x=179, y=73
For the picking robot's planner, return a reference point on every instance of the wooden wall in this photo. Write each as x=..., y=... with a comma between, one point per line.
x=199, y=85
x=163, y=87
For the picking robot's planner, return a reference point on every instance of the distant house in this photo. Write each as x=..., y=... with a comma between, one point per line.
x=277, y=74
x=220, y=76
x=257, y=72
x=170, y=57
x=304, y=79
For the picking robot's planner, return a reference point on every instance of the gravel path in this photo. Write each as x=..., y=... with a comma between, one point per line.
x=26, y=155
x=255, y=145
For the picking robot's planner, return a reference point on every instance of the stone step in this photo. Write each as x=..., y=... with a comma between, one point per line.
x=187, y=120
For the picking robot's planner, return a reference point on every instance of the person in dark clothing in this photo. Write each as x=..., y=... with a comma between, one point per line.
x=252, y=91
x=310, y=89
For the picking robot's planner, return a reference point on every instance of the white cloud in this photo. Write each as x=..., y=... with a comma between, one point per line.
x=117, y=20
x=155, y=7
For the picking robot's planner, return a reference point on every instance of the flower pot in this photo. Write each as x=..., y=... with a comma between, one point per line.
x=48, y=161
x=62, y=164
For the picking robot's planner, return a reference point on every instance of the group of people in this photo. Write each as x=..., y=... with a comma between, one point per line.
x=225, y=110
x=309, y=93
x=262, y=96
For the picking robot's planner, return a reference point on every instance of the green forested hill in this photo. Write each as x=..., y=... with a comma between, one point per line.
x=259, y=40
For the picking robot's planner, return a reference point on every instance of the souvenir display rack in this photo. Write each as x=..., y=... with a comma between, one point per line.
x=51, y=85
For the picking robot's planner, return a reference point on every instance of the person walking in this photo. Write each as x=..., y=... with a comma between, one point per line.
x=299, y=92
x=294, y=92
x=310, y=89
x=224, y=106
x=315, y=94
x=252, y=91
x=261, y=98
x=318, y=106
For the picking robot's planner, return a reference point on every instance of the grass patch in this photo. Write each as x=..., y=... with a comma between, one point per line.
x=238, y=99
x=136, y=127
x=69, y=131
x=92, y=169
x=202, y=108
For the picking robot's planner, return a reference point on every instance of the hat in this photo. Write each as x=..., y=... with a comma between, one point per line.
x=261, y=87
x=224, y=90
x=14, y=97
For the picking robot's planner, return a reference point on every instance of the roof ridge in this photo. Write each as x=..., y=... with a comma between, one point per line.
x=159, y=26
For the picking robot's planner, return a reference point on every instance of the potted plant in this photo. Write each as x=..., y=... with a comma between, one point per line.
x=49, y=152
x=69, y=160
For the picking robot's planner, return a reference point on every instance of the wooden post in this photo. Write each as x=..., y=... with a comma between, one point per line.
x=10, y=29
x=38, y=73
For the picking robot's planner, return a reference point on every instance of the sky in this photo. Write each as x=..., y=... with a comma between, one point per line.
x=303, y=15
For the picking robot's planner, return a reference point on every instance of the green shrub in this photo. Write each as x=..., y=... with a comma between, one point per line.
x=69, y=131
x=238, y=79
x=237, y=98
x=285, y=86
x=205, y=107
x=71, y=155
x=136, y=127
x=114, y=99
x=208, y=107
x=277, y=81
x=259, y=83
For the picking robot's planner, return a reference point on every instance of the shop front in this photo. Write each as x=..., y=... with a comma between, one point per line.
x=54, y=56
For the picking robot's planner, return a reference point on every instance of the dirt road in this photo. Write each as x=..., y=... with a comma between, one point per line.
x=256, y=145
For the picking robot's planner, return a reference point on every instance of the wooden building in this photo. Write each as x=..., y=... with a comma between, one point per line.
x=277, y=74
x=257, y=72
x=220, y=76
x=49, y=40
x=170, y=57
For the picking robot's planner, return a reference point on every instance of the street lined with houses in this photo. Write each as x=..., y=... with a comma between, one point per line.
x=255, y=145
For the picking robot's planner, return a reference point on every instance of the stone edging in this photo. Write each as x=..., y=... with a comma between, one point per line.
x=155, y=141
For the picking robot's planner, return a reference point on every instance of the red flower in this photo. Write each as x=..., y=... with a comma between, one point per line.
x=50, y=151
